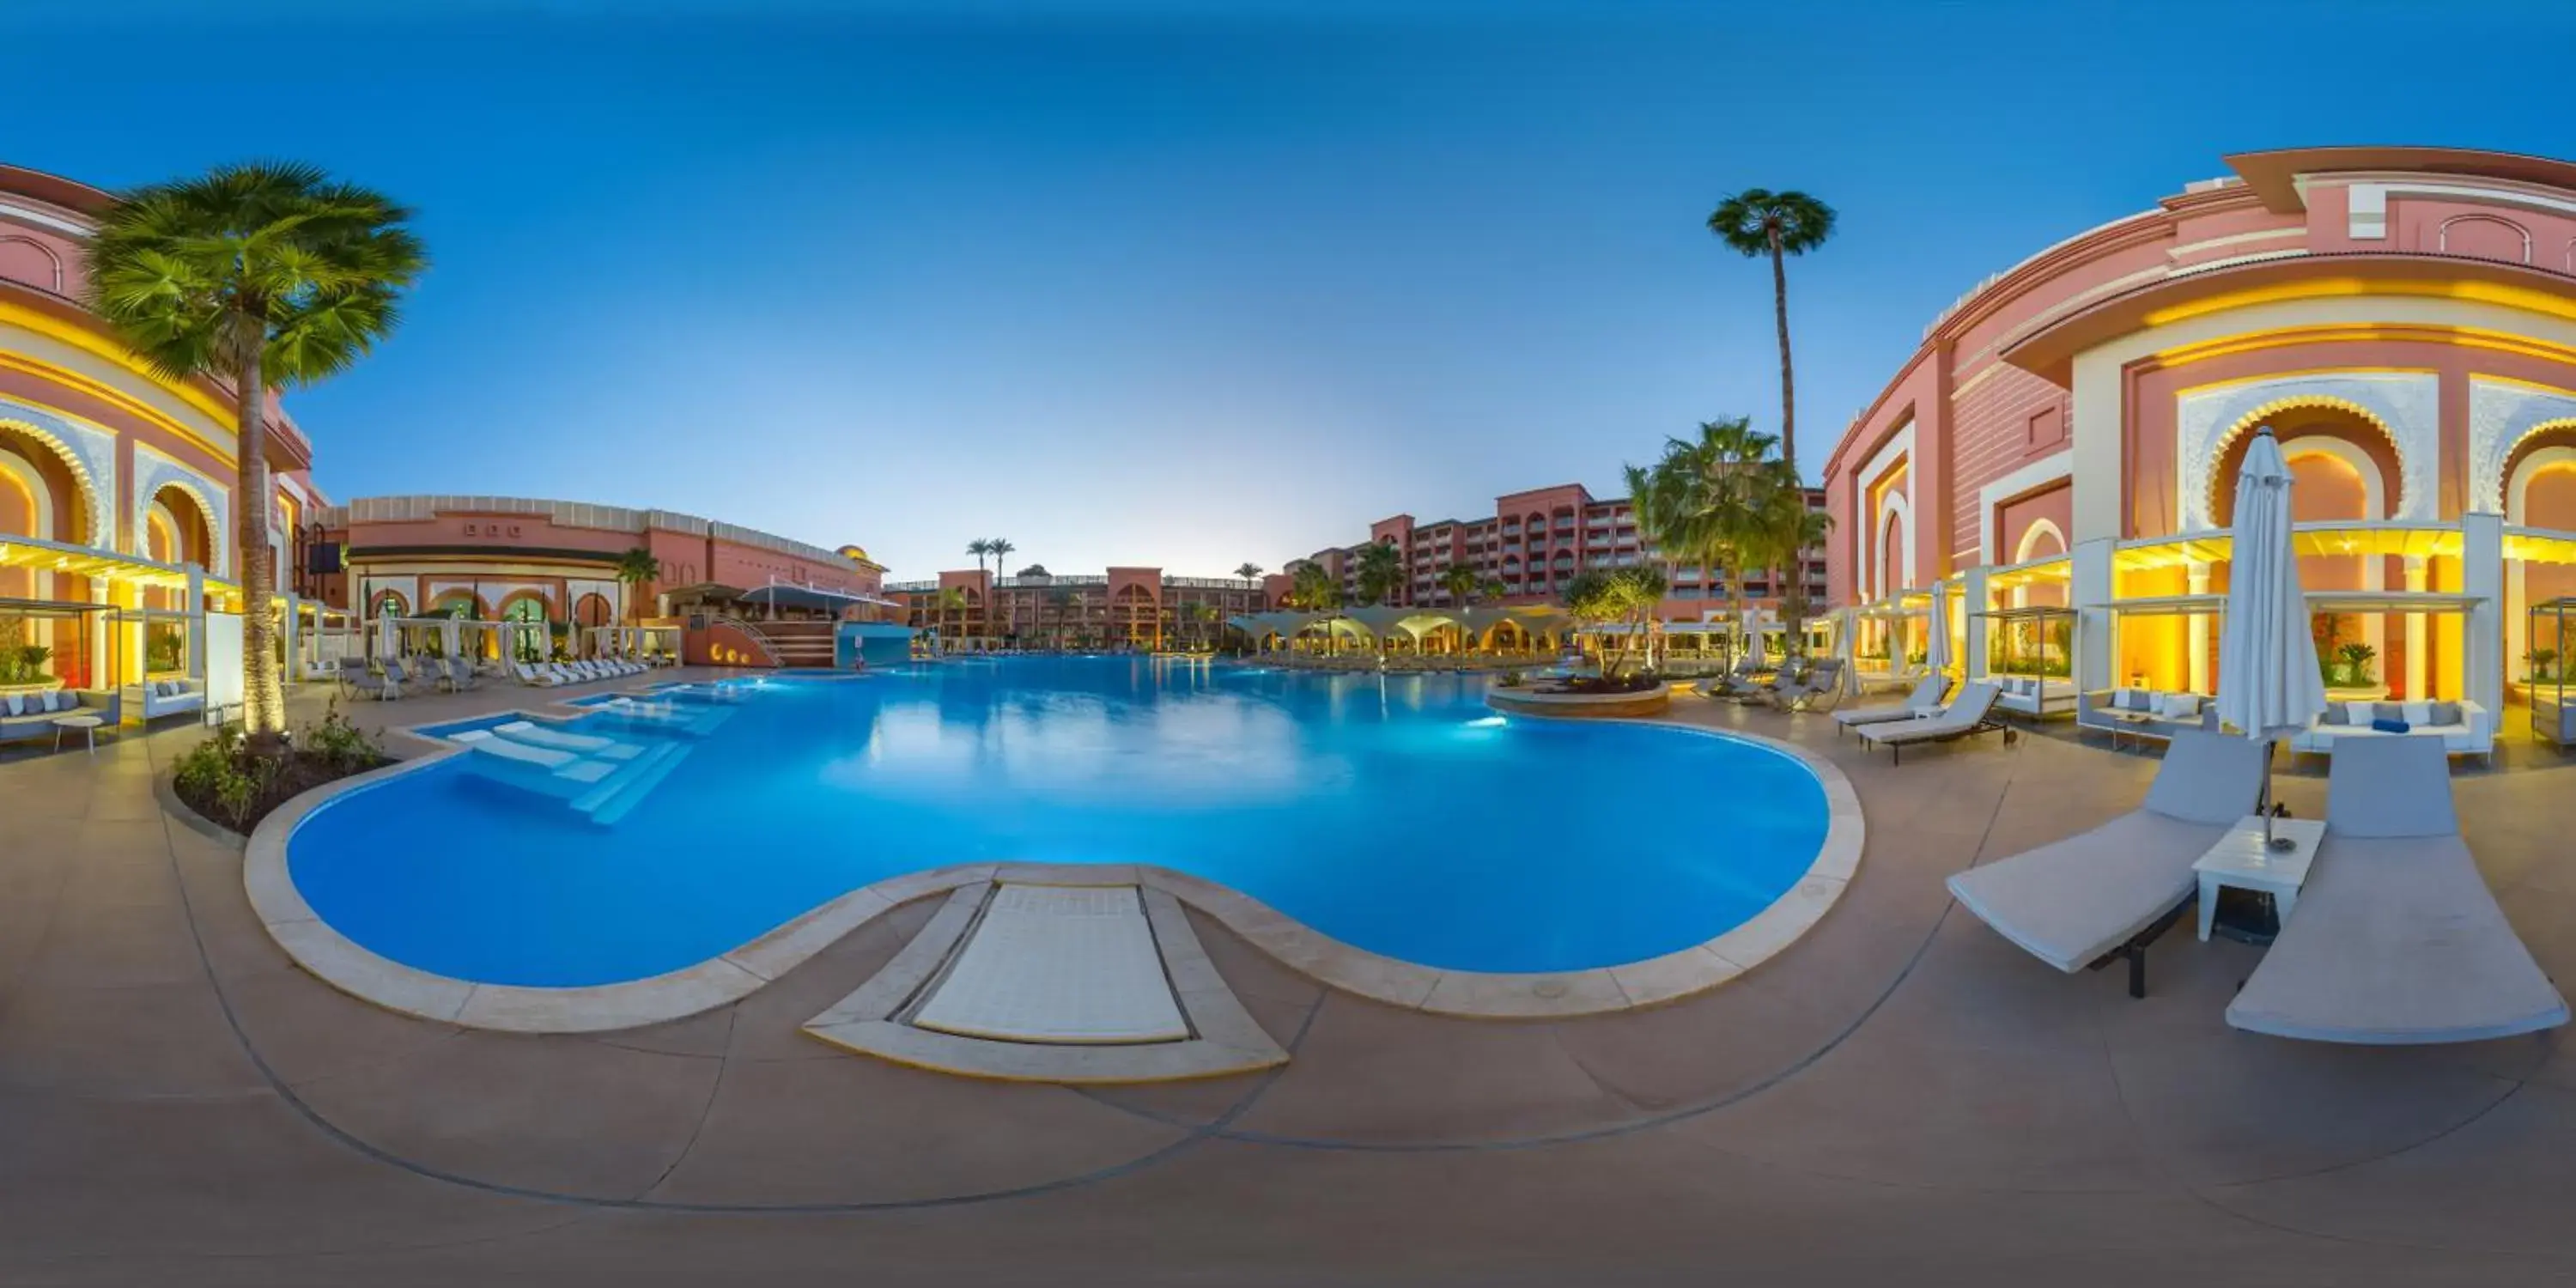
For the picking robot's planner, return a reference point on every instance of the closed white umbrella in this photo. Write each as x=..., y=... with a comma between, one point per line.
x=2268, y=684
x=1936, y=648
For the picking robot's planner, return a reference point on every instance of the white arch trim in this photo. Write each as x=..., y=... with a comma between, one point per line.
x=2517, y=497
x=2022, y=552
x=2502, y=413
x=88, y=451
x=154, y=471
x=2405, y=405
x=23, y=473
x=2374, y=489
x=1897, y=513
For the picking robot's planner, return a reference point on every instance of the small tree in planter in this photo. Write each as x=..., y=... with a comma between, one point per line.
x=1625, y=597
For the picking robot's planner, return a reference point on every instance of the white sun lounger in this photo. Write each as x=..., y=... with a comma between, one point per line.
x=580, y=743
x=2107, y=893
x=1969, y=713
x=561, y=764
x=1925, y=698
x=533, y=675
x=2396, y=939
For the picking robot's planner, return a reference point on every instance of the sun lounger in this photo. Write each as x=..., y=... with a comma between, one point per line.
x=1971, y=713
x=2107, y=893
x=1925, y=699
x=2396, y=939
x=366, y=683
x=460, y=674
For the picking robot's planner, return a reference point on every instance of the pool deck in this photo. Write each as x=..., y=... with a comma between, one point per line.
x=1898, y=1096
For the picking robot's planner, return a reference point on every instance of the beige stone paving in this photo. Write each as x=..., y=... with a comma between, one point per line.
x=1897, y=1097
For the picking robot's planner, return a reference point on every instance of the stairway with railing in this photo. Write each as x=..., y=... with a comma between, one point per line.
x=725, y=640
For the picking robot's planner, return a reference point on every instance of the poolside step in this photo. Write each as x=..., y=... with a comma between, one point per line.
x=622, y=794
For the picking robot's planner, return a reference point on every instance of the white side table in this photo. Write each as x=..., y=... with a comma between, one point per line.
x=88, y=725
x=2240, y=860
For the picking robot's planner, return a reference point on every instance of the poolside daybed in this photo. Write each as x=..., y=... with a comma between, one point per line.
x=25, y=717
x=170, y=697
x=2108, y=892
x=2464, y=728
x=2396, y=939
x=2146, y=713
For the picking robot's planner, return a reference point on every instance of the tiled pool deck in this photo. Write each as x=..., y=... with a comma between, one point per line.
x=1898, y=1096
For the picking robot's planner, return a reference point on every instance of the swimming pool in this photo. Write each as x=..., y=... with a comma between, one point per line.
x=1396, y=814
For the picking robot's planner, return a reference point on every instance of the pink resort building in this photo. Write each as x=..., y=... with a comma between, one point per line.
x=1136, y=608
x=2059, y=453
x=119, y=576
x=1536, y=541
x=117, y=535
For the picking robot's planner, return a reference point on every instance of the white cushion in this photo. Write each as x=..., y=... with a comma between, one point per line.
x=2361, y=713
x=12, y=705
x=2419, y=713
x=2182, y=706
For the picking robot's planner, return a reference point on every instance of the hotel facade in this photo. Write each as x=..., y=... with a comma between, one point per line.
x=118, y=558
x=1140, y=608
x=117, y=532
x=1537, y=541
x=2063, y=445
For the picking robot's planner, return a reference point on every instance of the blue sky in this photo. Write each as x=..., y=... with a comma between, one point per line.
x=1158, y=283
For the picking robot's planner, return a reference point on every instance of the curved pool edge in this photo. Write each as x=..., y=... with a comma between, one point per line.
x=335, y=959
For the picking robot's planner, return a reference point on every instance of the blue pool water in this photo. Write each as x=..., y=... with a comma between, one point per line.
x=1397, y=814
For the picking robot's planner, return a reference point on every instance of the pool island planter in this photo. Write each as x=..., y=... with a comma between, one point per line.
x=1536, y=702
x=340, y=962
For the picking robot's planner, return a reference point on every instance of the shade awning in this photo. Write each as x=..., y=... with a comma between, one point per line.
x=782, y=595
x=50, y=608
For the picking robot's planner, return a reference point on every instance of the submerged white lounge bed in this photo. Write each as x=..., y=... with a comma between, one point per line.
x=557, y=764
x=2107, y=893
x=2396, y=939
x=529, y=731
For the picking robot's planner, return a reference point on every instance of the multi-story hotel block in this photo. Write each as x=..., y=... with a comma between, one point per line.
x=1121, y=608
x=1536, y=541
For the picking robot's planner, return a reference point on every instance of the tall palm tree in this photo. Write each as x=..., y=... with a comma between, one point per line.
x=979, y=547
x=1758, y=221
x=1247, y=571
x=265, y=276
x=1000, y=548
x=635, y=567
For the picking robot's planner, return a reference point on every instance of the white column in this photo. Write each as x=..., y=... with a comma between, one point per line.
x=2418, y=570
x=1974, y=599
x=2196, y=629
x=2482, y=577
x=2090, y=593
x=195, y=605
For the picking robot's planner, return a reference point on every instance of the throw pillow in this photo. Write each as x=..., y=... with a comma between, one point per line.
x=2389, y=726
x=2448, y=713
x=12, y=705
x=63, y=700
x=2339, y=713
x=2418, y=713
x=2186, y=706
x=2129, y=700
x=2388, y=710
x=2363, y=712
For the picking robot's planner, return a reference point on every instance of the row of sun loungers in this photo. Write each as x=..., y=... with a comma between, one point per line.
x=401, y=676
x=2396, y=938
x=551, y=674
x=1967, y=715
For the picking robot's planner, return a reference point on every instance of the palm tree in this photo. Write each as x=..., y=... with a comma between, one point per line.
x=635, y=567
x=1381, y=572
x=979, y=547
x=1758, y=221
x=1000, y=548
x=264, y=275
x=949, y=600
x=1247, y=571
x=1711, y=500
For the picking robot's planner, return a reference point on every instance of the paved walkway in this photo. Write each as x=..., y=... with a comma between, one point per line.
x=1900, y=1097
